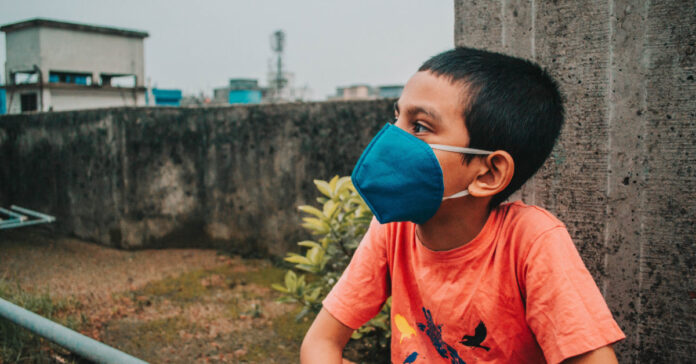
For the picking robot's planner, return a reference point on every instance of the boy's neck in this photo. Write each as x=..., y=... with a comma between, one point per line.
x=456, y=223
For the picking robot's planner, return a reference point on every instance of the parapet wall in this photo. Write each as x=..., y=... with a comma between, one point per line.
x=153, y=177
x=623, y=177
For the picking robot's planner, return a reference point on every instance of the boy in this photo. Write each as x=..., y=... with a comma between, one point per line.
x=471, y=280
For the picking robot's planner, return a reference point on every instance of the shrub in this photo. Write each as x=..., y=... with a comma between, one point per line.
x=338, y=225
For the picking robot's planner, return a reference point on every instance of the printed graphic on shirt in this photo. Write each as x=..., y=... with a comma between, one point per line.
x=404, y=328
x=411, y=358
x=478, y=338
x=434, y=332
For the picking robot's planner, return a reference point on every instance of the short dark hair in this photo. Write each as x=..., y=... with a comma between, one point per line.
x=512, y=105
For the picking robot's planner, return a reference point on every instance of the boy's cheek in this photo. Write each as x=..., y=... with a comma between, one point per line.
x=456, y=175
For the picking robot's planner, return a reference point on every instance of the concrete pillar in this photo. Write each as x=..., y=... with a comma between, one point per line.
x=622, y=176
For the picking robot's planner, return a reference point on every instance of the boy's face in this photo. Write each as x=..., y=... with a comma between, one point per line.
x=431, y=108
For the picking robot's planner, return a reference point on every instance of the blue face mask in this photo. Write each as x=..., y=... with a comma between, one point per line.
x=400, y=178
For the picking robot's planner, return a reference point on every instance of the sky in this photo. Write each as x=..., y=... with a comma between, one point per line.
x=197, y=46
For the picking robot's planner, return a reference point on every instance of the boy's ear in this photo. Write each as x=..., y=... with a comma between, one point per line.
x=495, y=174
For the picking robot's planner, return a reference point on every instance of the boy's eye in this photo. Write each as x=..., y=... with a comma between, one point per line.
x=418, y=128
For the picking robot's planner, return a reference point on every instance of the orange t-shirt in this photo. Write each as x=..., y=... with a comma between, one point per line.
x=517, y=293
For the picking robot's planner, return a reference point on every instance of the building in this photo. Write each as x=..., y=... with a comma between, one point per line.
x=55, y=65
x=390, y=92
x=166, y=97
x=355, y=92
x=367, y=92
x=239, y=91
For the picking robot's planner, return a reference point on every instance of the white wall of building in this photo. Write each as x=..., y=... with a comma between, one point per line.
x=78, y=98
x=83, y=99
x=80, y=51
x=22, y=51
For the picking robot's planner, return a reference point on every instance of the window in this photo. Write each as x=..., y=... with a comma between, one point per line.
x=28, y=102
x=118, y=80
x=70, y=77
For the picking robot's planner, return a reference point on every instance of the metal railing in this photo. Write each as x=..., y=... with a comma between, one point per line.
x=16, y=219
x=75, y=342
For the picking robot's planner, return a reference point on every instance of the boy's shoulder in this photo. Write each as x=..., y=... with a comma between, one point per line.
x=524, y=222
x=520, y=213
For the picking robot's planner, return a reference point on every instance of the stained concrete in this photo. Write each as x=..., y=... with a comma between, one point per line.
x=623, y=175
x=227, y=177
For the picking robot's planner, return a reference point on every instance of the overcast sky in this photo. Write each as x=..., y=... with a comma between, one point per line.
x=198, y=45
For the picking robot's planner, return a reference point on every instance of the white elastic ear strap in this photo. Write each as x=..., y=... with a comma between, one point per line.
x=449, y=148
x=456, y=195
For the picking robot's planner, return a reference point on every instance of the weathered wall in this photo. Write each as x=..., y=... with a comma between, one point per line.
x=623, y=177
x=145, y=177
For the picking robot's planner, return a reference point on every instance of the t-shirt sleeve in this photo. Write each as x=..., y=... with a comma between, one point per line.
x=364, y=286
x=564, y=307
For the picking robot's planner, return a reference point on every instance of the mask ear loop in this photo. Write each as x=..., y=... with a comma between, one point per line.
x=457, y=195
x=449, y=148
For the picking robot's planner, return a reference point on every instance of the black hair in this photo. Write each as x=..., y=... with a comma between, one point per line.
x=511, y=104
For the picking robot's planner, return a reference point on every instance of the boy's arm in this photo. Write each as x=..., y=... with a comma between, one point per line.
x=602, y=355
x=325, y=340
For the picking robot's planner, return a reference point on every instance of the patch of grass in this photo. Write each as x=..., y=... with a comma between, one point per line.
x=184, y=287
x=189, y=286
x=18, y=344
x=282, y=345
x=288, y=328
x=144, y=339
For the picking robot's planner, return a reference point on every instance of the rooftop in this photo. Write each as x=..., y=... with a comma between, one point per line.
x=39, y=22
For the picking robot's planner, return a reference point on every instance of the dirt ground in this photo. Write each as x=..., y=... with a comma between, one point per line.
x=175, y=305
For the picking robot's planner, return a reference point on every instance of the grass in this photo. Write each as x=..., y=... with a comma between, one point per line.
x=228, y=313
x=18, y=345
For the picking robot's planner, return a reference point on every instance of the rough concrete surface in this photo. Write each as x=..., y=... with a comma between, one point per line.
x=228, y=177
x=623, y=175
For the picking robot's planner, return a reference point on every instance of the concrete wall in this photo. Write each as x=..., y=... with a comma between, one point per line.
x=624, y=175
x=229, y=177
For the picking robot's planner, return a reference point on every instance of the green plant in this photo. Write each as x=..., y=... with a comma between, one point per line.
x=338, y=225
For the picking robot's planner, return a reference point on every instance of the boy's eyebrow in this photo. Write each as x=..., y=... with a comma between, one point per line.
x=418, y=110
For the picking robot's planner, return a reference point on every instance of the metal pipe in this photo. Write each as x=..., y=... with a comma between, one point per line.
x=33, y=213
x=13, y=214
x=14, y=224
x=75, y=342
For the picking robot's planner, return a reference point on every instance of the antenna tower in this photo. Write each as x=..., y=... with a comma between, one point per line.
x=277, y=45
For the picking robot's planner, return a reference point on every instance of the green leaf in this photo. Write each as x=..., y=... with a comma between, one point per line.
x=323, y=187
x=329, y=209
x=314, y=295
x=311, y=210
x=316, y=225
x=332, y=185
x=309, y=244
x=343, y=184
x=280, y=288
x=315, y=255
x=297, y=259
x=291, y=280
x=311, y=268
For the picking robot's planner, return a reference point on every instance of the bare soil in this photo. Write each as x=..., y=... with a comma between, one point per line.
x=163, y=306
